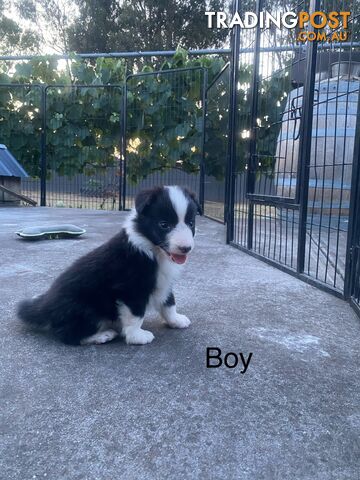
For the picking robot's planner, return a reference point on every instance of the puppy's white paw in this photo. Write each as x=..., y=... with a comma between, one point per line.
x=99, y=338
x=138, y=337
x=178, y=321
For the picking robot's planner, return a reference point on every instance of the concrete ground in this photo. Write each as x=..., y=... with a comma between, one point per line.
x=156, y=412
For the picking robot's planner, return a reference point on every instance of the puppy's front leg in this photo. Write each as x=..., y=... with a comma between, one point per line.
x=131, y=327
x=170, y=315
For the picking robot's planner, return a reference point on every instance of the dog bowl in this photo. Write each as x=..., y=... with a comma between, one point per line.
x=50, y=232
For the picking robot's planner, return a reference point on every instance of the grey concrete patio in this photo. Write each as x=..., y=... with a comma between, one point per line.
x=156, y=412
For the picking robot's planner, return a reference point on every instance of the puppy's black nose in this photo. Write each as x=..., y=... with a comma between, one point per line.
x=184, y=249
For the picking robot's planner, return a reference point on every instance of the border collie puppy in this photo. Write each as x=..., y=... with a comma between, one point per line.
x=107, y=291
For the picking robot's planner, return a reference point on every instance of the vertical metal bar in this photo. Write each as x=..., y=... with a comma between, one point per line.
x=202, y=162
x=122, y=139
x=43, y=162
x=305, y=140
x=251, y=173
x=226, y=218
x=353, y=236
x=231, y=163
x=123, y=145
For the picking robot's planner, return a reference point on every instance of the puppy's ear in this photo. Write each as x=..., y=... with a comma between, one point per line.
x=145, y=198
x=195, y=200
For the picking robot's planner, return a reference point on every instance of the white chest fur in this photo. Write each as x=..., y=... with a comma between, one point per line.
x=167, y=274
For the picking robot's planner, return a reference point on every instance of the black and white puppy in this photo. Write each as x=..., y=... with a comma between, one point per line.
x=107, y=291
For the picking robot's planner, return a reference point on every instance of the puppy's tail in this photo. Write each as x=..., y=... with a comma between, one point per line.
x=30, y=312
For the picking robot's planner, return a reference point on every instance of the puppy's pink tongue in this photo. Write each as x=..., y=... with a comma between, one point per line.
x=180, y=259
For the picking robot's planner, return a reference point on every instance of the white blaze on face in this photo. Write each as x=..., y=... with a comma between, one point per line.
x=181, y=235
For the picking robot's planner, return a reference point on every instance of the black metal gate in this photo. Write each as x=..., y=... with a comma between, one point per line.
x=292, y=151
x=352, y=284
x=354, y=271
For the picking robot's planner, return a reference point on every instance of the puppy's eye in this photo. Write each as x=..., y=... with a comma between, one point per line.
x=164, y=225
x=191, y=223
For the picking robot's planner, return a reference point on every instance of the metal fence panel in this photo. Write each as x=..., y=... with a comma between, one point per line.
x=332, y=157
x=241, y=97
x=164, y=130
x=83, y=137
x=67, y=137
x=216, y=145
x=21, y=131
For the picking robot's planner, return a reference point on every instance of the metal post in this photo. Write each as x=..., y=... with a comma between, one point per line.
x=43, y=162
x=202, y=161
x=231, y=162
x=226, y=218
x=251, y=173
x=122, y=139
x=305, y=139
x=123, y=150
